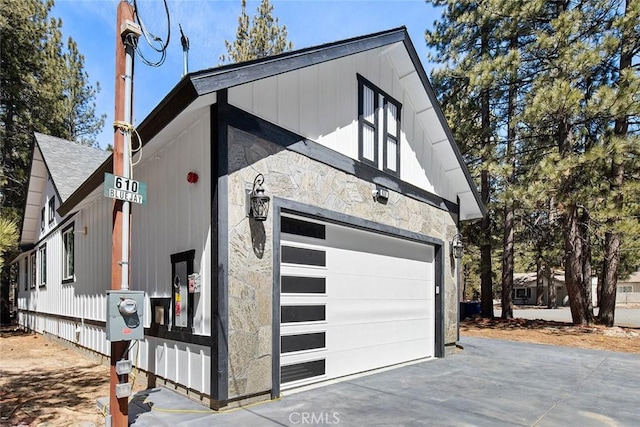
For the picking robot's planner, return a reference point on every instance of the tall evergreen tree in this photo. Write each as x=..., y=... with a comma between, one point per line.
x=461, y=39
x=546, y=71
x=258, y=39
x=82, y=124
x=621, y=145
x=572, y=103
x=42, y=88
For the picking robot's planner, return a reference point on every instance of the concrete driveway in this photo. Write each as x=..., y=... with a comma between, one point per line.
x=488, y=383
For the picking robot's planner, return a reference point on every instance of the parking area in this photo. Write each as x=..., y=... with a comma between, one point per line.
x=487, y=383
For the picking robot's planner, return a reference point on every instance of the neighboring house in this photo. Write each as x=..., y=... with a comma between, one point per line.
x=628, y=291
x=340, y=279
x=525, y=290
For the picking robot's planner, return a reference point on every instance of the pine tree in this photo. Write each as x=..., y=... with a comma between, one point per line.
x=262, y=38
x=81, y=121
x=8, y=237
x=621, y=144
x=542, y=149
x=571, y=102
x=42, y=88
x=461, y=39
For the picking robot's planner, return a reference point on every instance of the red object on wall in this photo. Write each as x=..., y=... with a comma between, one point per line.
x=192, y=177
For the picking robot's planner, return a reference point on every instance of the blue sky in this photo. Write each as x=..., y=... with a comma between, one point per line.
x=208, y=23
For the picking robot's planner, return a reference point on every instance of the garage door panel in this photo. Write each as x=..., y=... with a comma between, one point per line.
x=341, y=363
x=350, y=239
x=375, y=264
x=365, y=336
x=357, y=311
x=363, y=286
x=377, y=292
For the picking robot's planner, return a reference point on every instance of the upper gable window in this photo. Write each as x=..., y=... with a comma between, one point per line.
x=42, y=219
x=52, y=209
x=378, y=128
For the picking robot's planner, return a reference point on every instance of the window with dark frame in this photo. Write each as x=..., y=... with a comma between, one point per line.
x=43, y=265
x=378, y=128
x=521, y=293
x=68, y=255
x=42, y=213
x=26, y=274
x=52, y=209
x=34, y=269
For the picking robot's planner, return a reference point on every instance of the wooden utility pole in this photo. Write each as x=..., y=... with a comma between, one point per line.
x=119, y=407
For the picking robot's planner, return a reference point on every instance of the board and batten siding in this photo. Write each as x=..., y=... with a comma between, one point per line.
x=182, y=363
x=320, y=102
x=51, y=306
x=176, y=217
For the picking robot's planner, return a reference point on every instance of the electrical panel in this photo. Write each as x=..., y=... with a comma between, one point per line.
x=125, y=315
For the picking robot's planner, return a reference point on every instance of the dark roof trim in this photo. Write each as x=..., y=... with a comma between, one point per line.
x=214, y=79
x=443, y=121
x=208, y=81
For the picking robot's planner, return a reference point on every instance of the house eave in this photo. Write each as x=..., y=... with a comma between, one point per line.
x=474, y=213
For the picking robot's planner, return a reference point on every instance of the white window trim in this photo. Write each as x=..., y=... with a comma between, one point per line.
x=42, y=264
x=33, y=271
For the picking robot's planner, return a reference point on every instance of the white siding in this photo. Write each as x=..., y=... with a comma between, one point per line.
x=175, y=219
x=48, y=194
x=321, y=103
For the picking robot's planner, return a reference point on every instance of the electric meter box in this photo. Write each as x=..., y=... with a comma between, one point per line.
x=125, y=315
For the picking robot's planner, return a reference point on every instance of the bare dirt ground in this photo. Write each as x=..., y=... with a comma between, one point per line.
x=555, y=333
x=43, y=383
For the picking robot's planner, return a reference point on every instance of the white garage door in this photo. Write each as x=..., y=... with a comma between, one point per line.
x=351, y=301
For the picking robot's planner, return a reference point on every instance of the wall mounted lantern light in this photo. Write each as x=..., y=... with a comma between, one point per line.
x=380, y=194
x=456, y=246
x=258, y=201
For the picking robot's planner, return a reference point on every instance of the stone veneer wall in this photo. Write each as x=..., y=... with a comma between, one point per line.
x=293, y=176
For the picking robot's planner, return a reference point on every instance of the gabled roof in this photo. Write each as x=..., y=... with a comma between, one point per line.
x=69, y=164
x=206, y=82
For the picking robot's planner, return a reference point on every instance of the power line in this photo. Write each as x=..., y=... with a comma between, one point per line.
x=155, y=42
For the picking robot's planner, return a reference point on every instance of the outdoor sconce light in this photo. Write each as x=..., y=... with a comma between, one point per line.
x=258, y=201
x=84, y=231
x=380, y=194
x=456, y=246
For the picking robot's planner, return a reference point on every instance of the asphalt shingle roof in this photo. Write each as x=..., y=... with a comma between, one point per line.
x=69, y=163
